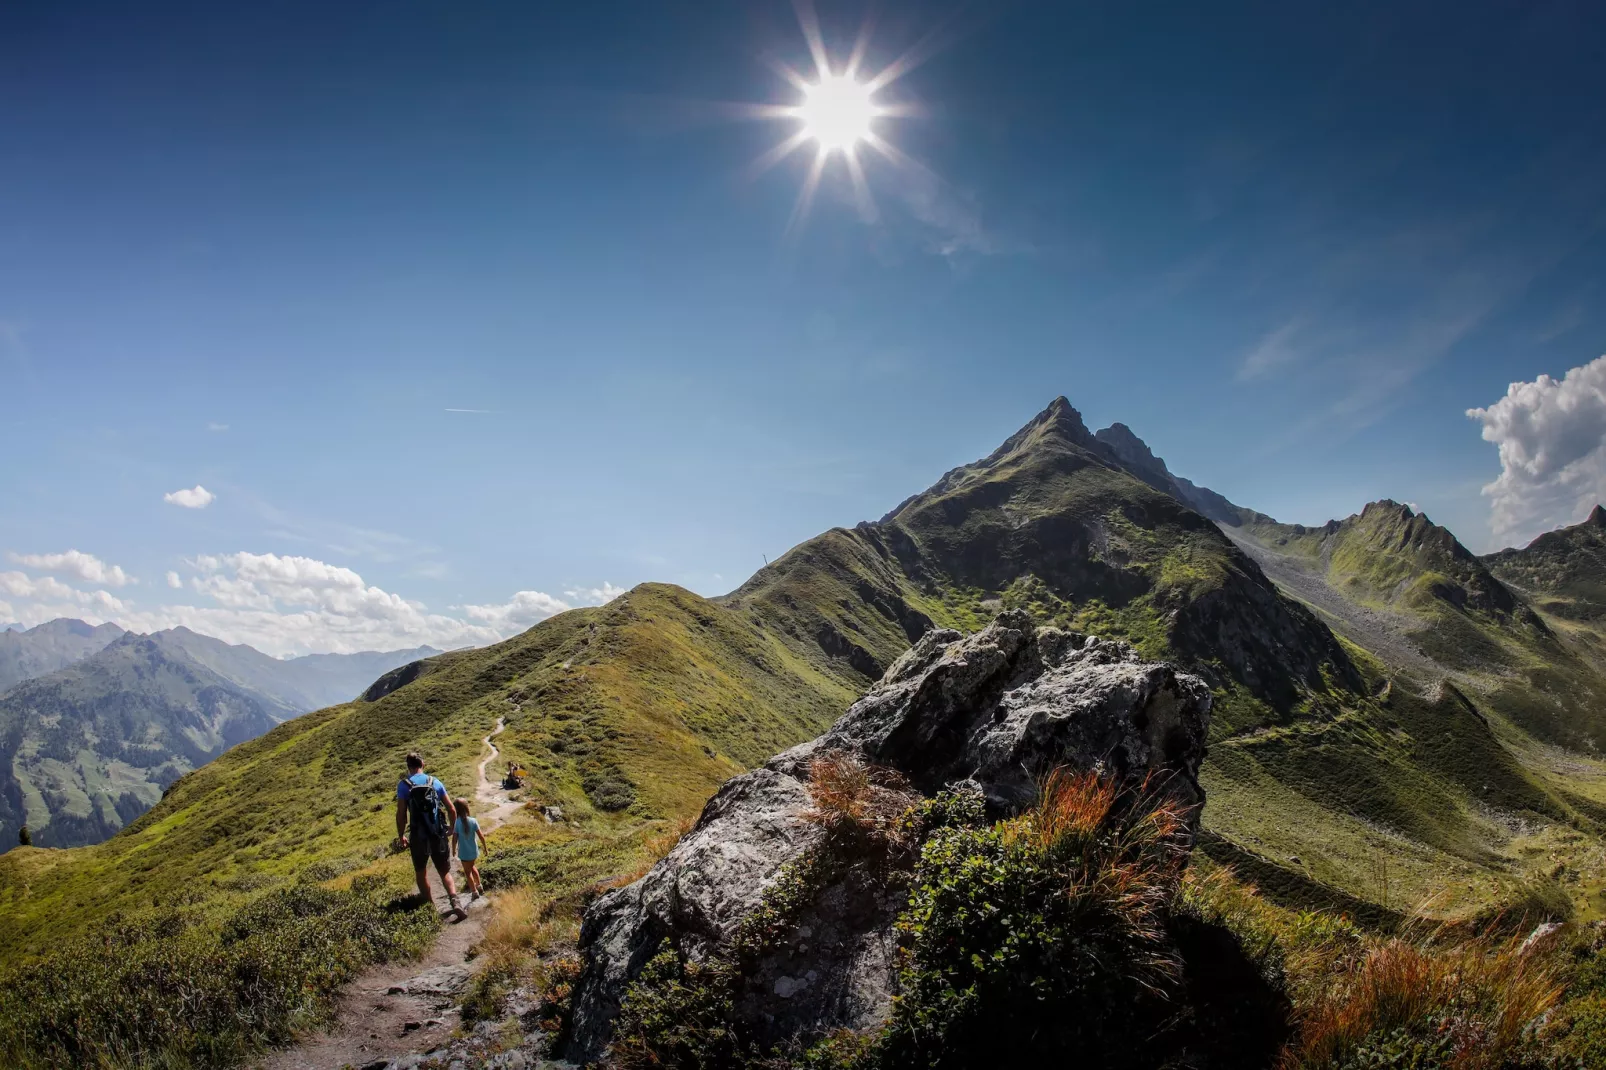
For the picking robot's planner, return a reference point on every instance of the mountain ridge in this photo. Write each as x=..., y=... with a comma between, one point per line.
x=1325, y=754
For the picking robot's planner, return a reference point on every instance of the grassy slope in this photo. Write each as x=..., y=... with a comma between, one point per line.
x=653, y=699
x=1510, y=713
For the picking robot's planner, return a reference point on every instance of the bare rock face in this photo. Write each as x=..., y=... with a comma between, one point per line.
x=998, y=709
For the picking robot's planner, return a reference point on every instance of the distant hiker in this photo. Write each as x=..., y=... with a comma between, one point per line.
x=423, y=805
x=469, y=839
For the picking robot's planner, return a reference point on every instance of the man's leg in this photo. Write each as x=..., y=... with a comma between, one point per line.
x=443, y=866
x=422, y=874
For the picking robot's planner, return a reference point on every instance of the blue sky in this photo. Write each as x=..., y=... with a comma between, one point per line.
x=267, y=249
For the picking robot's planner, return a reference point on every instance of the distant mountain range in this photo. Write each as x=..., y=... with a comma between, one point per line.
x=96, y=722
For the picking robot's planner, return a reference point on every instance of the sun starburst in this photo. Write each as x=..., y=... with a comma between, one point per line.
x=839, y=112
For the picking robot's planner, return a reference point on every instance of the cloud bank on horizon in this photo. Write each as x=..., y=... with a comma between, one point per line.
x=280, y=604
x=1552, y=439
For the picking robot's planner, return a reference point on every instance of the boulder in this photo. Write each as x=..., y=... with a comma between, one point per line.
x=998, y=709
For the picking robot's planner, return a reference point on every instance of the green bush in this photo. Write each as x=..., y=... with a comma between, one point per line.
x=172, y=987
x=1040, y=936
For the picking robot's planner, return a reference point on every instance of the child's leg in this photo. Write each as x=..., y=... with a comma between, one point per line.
x=474, y=873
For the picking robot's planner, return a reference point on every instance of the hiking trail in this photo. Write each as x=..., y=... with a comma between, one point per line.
x=374, y=1010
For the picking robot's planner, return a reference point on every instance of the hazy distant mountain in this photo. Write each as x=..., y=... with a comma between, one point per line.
x=295, y=685
x=86, y=749
x=51, y=646
x=97, y=721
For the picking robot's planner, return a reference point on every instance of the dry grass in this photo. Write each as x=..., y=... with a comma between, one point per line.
x=849, y=795
x=1123, y=856
x=526, y=939
x=1473, y=999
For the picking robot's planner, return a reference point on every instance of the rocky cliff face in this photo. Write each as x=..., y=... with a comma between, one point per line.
x=996, y=711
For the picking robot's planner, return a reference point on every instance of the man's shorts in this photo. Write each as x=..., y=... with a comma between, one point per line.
x=427, y=848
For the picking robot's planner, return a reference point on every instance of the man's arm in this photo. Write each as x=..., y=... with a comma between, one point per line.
x=401, y=821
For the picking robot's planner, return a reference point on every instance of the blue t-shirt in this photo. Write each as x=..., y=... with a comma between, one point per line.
x=405, y=786
x=468, y=843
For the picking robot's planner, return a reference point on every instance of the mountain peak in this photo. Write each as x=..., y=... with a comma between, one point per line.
x=1135, y=454
x=1596, y=518
x=1059, y=421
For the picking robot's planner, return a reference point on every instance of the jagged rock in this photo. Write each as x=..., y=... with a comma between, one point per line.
x=998, y=709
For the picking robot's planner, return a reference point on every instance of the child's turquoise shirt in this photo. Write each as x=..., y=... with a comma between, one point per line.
x=468, y=839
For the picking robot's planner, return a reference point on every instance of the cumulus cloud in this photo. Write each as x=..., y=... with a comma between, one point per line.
x=1552, y=439
x=594, y=596
x=86, y=567
x=196, y=497
x=523, y=609
x=286, y=604
x=59, y=596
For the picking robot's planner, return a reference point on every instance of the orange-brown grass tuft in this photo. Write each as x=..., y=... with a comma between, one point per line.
x=852, y=796
x=1467, y=1003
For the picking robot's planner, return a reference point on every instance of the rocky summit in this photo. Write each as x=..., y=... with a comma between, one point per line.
x=994, y=712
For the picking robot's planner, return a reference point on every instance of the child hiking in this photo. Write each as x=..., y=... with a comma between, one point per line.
x=423, y=809
x=469, y=839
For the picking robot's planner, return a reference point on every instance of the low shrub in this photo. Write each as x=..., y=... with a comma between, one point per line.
x=1041, y=935
x=174, y=987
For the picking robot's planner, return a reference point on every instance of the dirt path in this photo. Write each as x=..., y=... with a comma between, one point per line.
x=373, y=1013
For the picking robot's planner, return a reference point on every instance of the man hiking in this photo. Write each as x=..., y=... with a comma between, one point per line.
x=424, y=809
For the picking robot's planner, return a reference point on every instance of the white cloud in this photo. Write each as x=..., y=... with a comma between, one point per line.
x=217, y=427
x=1552, y=439
x=21, y=585
x=523, y=609
x=196, y=497
x=594, y=596
x=285, y=604
x=86, y=567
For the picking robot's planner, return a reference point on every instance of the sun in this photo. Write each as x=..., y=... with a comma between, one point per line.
x=841, y=111
x=837, y=112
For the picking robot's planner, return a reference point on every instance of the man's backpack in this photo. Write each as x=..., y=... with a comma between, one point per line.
x=424, y=807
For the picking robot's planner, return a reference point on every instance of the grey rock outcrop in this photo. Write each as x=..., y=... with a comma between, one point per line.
x=998, y=709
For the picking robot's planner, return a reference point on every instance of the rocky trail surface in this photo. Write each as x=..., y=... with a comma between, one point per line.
x=404, y=1014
